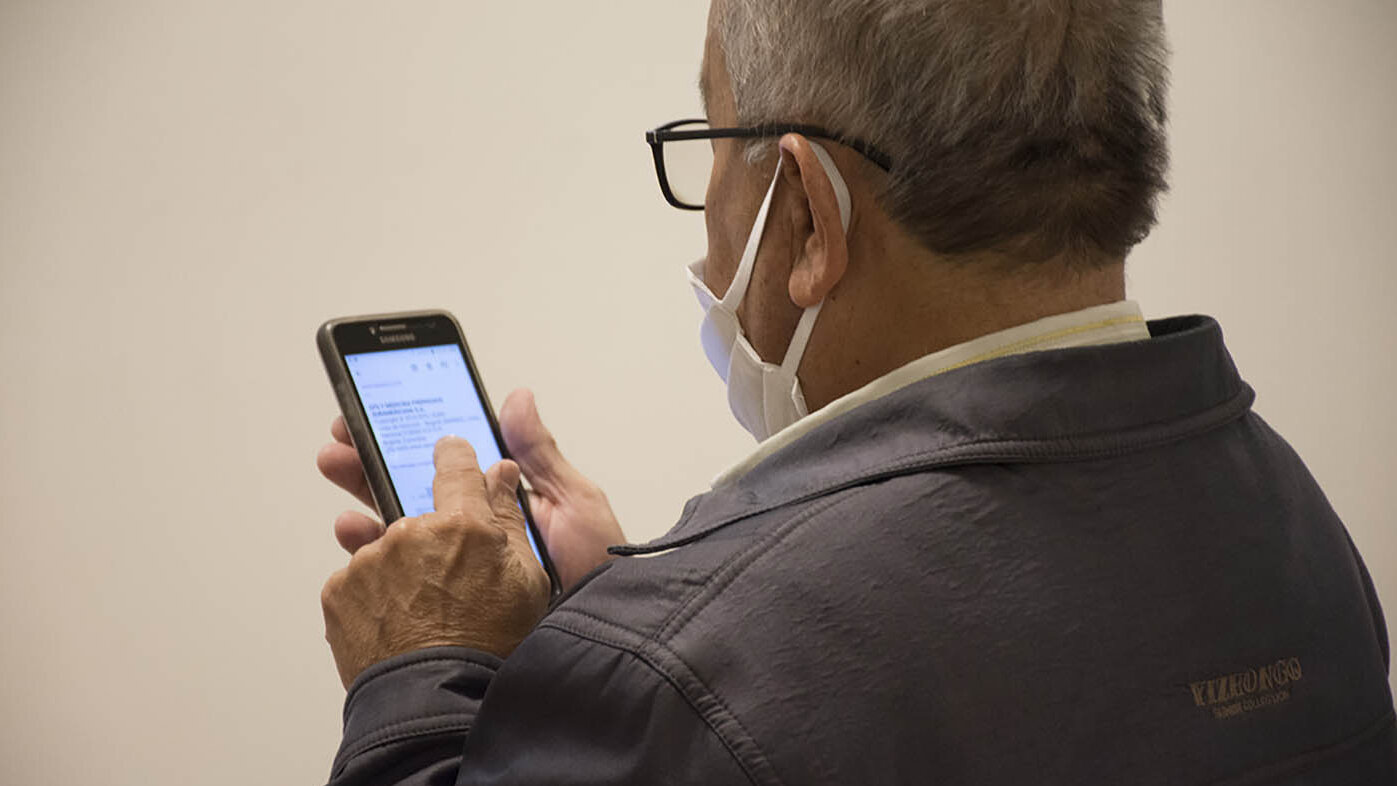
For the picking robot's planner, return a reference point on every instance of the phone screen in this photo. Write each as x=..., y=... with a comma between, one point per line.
x=414, y=397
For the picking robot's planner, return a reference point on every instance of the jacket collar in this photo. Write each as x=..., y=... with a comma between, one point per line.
x=1061, y=405
x=1110, y=323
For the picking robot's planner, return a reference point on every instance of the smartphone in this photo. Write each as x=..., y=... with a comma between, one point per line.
x=404, y=381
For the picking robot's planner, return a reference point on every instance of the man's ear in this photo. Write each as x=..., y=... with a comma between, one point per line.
x=819, y=241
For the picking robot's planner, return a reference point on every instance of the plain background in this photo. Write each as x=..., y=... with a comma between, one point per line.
x=188, y=188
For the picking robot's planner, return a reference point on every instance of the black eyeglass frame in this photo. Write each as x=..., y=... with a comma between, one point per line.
x=667, y=133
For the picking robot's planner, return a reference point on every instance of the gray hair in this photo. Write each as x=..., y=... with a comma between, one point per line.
x=1029, y=128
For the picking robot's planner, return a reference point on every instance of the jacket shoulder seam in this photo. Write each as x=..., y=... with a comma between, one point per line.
x=735, y=566
x=650, y=652
x=426, y=726
x=1305, y=761
x=1065, y=448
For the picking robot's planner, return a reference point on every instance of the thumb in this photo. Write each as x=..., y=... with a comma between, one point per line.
x=532, y=445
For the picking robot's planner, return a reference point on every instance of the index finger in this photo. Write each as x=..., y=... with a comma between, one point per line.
x=459, y=484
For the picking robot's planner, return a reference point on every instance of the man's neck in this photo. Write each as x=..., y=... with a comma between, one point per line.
x=906, y=310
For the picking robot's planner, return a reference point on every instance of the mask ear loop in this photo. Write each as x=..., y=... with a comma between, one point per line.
x=737, y=290
x=796, y=351
x=836, y=179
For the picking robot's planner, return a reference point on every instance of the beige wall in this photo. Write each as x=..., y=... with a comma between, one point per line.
x=188, y=188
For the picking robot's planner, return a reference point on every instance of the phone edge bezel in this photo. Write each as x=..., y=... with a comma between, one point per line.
x=380, y=484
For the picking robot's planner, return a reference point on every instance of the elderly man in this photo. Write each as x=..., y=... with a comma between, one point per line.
x=998, y=529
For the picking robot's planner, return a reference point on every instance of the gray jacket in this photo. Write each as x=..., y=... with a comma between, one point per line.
x=1085, y=566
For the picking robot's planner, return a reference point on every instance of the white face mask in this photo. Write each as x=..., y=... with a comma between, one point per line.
x=765, y=397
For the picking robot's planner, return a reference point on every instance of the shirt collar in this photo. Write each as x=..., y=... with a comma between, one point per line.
x=1113, y=323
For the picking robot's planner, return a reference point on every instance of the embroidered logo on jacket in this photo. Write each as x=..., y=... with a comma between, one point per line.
x=1235, y=694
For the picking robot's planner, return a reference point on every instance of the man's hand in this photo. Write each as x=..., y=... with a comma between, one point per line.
x=572, y=514
x=462, y=576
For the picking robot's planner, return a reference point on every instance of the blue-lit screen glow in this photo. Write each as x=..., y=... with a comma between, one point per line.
x=414, y=397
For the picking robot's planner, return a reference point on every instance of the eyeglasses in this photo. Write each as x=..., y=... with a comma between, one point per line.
x=684, y=154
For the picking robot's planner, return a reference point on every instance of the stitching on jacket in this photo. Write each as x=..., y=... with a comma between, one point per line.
x=396, y=667
x=720, y=578
x=985, y=451
x=1312, y=758
x=640, y=654
x=397, y=732
x=1070, y=447
x=738, y=564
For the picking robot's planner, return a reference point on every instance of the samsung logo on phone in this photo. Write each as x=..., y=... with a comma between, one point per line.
x=397, y=338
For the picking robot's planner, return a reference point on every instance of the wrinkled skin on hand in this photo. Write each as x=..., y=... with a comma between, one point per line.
x=464, y=575
x=572, y=513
